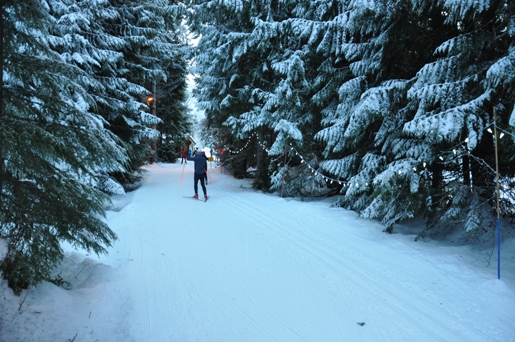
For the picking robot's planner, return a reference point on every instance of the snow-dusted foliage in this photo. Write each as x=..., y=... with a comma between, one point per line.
x=75, y=77
x=299, y=180
x=456, y=96
x=110, y=186
x=394, y=97
x=52, y=145
x=444, y=105
x=256, y=73
x=133, y=47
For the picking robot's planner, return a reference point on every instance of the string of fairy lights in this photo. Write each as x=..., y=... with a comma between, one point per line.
x=460, y=148
x=244, y=147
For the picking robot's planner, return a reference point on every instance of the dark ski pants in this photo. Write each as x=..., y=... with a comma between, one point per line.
x=199, y=177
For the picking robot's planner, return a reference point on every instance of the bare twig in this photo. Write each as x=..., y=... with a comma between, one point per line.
x=81, y=270
x=23, y=300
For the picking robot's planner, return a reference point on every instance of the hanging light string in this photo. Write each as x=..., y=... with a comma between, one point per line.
x=244, y=147
x=463, y=146
x=316, y=172
x=459, y=147
x=503, y=132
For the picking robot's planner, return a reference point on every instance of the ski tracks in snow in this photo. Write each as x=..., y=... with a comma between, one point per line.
x=350, y=288
x=241, y=268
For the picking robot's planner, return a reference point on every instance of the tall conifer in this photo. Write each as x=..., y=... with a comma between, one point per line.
x=52, y=149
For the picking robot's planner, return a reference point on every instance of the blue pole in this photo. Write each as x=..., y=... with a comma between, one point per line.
x=498, y=248
x=497, y=195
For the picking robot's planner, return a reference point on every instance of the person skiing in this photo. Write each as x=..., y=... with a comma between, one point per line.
x=183, y=157
x=200, y=173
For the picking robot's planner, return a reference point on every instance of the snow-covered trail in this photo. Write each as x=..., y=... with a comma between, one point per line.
x=247, y=266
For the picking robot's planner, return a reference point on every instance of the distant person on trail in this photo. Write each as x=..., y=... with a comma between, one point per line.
x=183, y=157
x=200, y=173
x=188, y=154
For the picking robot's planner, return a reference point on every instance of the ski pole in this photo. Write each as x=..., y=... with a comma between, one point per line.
x=208, y=176
x=182, y=175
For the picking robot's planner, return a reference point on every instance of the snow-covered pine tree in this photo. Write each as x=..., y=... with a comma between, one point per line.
x=226, y=68
x=52, y=149
x=260, y=83
x=389, y=43
x=500, y=77
x=91, y=46
x=131, y=46
x=363, y=62
x=79, y=31
x=175, y=115
x=380, y=42
x=153, y=42
x=310, y=33
x=456, y=96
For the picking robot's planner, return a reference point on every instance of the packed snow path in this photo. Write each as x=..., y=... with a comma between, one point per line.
x=241, y=268
x=248, y=266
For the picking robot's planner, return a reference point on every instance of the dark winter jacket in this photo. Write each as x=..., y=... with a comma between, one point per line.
x=200, y=163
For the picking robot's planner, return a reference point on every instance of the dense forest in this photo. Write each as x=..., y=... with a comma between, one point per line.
x=91, y=91
x=404, y=108
x=401, y=106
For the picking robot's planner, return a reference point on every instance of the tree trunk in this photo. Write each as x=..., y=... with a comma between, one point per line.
x=466, y=169
x=2, y=162
x=481, y=175
x=437, y=171
x=262, y=168
x=1, y=62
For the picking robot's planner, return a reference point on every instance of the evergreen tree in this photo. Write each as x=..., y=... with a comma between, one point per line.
x=227, y=67
x=151, y=44
x=129, y=47
x=456, y=96
x=255, y=81
x=53, y=149
x=173, y=111
x=439, y=107
x=363, y=130
x=388, y=87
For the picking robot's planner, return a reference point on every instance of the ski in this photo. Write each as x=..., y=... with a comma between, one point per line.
x=198, y=199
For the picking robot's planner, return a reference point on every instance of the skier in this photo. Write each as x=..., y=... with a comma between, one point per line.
x=200, y=173
x=183, y=157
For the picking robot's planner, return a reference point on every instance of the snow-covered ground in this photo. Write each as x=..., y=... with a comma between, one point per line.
x=248, y=266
